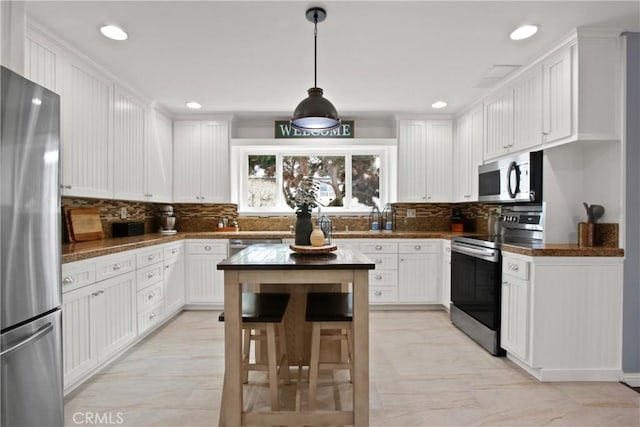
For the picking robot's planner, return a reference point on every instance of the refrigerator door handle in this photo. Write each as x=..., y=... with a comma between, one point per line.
x=43, y=330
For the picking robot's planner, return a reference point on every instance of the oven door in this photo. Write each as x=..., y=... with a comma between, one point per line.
x=475, y=282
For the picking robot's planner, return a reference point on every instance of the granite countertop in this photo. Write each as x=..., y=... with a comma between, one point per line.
x=84, y=250
x=280, y=257
x=563, y=250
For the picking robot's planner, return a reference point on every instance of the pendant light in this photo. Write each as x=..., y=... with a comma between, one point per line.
x=315, y=113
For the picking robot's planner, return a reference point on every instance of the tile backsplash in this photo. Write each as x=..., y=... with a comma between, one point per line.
x=205, y=217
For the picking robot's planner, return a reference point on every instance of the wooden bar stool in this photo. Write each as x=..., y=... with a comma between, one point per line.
x=328, y=311
x=264, y=313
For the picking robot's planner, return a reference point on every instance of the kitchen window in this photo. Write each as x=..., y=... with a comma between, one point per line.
x=352, y=177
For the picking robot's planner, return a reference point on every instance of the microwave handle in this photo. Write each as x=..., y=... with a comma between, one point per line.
x=513, y=168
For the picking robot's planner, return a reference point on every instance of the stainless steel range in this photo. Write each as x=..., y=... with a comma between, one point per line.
x=476, y=273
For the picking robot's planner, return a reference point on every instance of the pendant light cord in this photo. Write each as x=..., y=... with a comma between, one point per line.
x=315, y=49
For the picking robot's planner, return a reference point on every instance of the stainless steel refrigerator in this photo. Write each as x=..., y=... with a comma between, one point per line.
x=31, y=349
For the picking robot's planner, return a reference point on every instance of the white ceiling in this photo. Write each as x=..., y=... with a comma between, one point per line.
x=374, y=57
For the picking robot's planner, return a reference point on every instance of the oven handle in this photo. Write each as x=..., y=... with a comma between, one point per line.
x=485, y=254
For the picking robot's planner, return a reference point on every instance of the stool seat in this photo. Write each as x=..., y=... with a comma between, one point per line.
x=262, y=307
x=329, y=307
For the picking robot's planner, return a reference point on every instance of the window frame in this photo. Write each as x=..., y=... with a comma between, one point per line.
x=240, y=149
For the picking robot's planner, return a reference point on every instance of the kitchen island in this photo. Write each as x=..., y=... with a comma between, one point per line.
x=278, y=265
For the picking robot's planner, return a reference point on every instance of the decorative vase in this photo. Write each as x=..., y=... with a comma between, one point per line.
x=317, y=237
x=304, y=227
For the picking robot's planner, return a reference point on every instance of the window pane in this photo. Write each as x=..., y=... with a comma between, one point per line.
x=261, y=182
x=329, y=171
x=365, y=181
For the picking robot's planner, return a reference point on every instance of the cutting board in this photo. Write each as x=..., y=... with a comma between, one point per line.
x=85, y=224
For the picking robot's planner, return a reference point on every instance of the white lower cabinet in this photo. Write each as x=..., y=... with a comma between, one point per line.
x=561, y=316
x=98, y=320
x=205, y=283
x=383, y=281
x=150, y=288
x=419, y=272
x=174, y=279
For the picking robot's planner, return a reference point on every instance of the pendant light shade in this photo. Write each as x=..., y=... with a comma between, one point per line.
x=315, y=113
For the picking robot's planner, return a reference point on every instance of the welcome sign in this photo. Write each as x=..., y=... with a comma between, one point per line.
x=283, y=129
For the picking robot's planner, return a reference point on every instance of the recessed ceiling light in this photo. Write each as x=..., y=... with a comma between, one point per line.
x=439, y=104
x=523, y=32
x=194, y=105
x=113, y=32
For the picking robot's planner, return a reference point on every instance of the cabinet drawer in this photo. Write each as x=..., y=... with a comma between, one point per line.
x=383, y=277
x=149, y=275
x=383, y=294
x=206, y=248
x=515, y=267
x=384, y=261
x=419, y=247
x=149, y=297
x=149, y=257
x=379, y=248
x=77, y=274
x=149, y=318
x=173, y=251
x=113, y=266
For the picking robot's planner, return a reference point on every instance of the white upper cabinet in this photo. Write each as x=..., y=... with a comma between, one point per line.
x=527, y=111
x=498, y=114
x=439, y=160
x=467, y=148
x=201, y=161
x=159, y=160
x=557, y=121
x=41, y=62
x=425, y=150
x=130, y=132
x=86, y=131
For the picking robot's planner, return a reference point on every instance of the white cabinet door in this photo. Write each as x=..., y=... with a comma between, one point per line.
x=159, y=160
x=418, y=278
x=205, y=284
x=130, y=133
x=80, y=353
x=446, y=274
x=498, y=115
x=412, y=154
x=557, y=96
x=118, y=313
x=468, y=154
x=41, y=62
x=86, y=132
x=527, y=111
x=201, y=156
x=174, y=280
x=439, y=160
x=186, y=157
x=214, y=158
x=514, y=324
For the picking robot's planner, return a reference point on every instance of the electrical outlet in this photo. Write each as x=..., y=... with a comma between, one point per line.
x=123, y=213
x=411, y=213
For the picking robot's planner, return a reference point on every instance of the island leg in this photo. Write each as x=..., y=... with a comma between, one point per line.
x=361, y=348
x=231, y=412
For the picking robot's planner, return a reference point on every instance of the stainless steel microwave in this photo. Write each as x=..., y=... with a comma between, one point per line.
x=516, y=179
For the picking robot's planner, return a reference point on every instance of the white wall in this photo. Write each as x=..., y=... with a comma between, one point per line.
x=576, y=173
x=12, y=28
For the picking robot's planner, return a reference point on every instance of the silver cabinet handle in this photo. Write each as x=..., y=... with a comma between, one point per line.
x=95, y=294
x=43, y=330
x=150, y=275
x=513, y=267
x=448, y=249
x=151, y=295
x=378, y=261
x=378, y=277
x=417, y=247
x=377, y=293
x=151, y=316
x=166, y=267
x=378, y=247
x=67, y=280
x=151, y=257
x=207, y=248
x=117, y=266
x=174, y=251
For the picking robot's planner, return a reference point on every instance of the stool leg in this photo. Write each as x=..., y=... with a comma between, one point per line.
x=314, y=364
x=350, y=351
x=272, y=362
x=284, y=364
x=246, y=354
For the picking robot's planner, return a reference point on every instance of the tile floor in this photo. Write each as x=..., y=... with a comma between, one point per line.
x=424, y=372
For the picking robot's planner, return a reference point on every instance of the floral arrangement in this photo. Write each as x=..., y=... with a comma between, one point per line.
x=305, y=198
